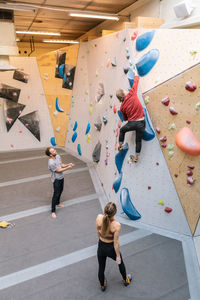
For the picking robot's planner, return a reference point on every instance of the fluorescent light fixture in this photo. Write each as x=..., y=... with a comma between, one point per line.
x=61, y=41
x=38, y=32
x=13, y=6
x=99, y=16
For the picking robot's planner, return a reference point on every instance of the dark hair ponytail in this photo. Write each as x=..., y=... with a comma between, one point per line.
x=109, y=211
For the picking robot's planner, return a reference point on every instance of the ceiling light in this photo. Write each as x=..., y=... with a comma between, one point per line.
x=99, y=16
x=60, y=41
x=13, y=6
x=38, y=32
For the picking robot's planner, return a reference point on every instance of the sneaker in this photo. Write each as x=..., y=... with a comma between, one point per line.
x=128, y=280
x=120, y=147
x=103, y=287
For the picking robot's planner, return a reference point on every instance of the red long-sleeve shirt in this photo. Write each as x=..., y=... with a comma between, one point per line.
x=131, y=107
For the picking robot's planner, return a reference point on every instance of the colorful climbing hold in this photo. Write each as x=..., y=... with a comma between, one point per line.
x=120, y=156
x=165, y=101
x=120, y=115
x=108, y=63
x=149, y=133
x=91, y=108
x=114, y=62
x=88, y=138
x=170, y=147
x=158, y=130
x=172, y=126
x=161, y=202
x=163, y=138
x=79, y=149
x=187, y=142
x=53, y=141
x=74, y=136
x=128, y=206
x=168, y=209
x=170, y=154
x=75, y=126
x=146, y=100
x=144, y=40
x=58, y=108
x=134, y=35
x=114, y=108
x=189, y=86
x=87, y=128
x=197, y=106
x=173, y=111
x=117, y=183
x=147, y=62
x=188, y=121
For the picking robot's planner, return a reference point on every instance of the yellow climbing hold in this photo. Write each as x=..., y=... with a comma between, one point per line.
x=161, y=202
x=88, y=138
x=4, y=224
x=91, y=108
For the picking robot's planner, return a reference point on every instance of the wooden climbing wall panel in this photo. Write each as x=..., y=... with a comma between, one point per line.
x=53, y=89
x=184, y=102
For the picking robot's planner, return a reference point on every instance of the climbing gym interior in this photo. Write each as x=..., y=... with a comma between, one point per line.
x=64, y=96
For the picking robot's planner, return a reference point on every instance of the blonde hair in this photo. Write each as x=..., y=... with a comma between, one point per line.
x=109, y=211
x=120, y=94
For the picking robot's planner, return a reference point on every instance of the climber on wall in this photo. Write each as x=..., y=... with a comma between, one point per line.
x=132, y=111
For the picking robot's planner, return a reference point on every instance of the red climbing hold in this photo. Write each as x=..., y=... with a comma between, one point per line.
x=119, y=123
x=163, y=145
x=176, y=175
x=158, y=130
x=157, y=164
x=189, y=173
x=191, y=166
x=188, y=121
x=189, y=86
x=149, y=187
x=172, y=110
x=187, y=142
x=163, y=138
x=190, y=180
x=168, y=209
x=165, y=101
x=134, y=35
x=117, y=132
x=114, y=108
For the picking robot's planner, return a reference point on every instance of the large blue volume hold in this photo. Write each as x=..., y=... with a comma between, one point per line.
x=120, y=156
x=149, y=133
x=131, y=77
x=128, y=206
x=117, y=183
x=147, y=62
x=120, y=115
x=61, y=70
x=144, y=40
x=74, y=136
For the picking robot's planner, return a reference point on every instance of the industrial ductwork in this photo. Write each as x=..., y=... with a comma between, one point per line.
x=8, y=45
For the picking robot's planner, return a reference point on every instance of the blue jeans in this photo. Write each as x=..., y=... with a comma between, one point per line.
x=139, y=127
x=58, y=188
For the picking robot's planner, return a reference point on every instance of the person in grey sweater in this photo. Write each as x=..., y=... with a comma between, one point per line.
x=57, y=168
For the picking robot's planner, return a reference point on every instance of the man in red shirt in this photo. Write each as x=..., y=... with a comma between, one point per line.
x=132, y=112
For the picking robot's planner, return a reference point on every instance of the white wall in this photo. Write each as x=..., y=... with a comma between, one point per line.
x=92, y=60
x=31, y=95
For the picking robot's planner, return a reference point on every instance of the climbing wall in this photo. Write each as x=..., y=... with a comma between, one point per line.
x=197, y=232
x=178, y=51
x=58, y=97
x=185, y=103
x=100, y=72
x=22, y=98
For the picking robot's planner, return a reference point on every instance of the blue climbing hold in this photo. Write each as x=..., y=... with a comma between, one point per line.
x=147, y=62
x=53, y=141
x=120, y=115
x=58, y=108
x=149, y=133
x=128, y=206
x=88, y=128
x=79, y=149
x=131, y=77
x=117, y=183
x=74, y=136
x=120, y=156
x=75, y=126
x=61, y=70
x=144, y=40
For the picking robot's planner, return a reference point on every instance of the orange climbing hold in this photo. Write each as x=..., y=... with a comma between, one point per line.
x=108, y=63
x=187, y=142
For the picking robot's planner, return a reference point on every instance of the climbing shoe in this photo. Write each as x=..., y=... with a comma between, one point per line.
x=103, y=287
x=128, y=280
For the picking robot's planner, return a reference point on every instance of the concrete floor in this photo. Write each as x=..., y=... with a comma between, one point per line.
x=43, y=258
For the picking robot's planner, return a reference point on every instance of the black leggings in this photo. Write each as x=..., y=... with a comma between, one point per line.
x=139, y=127
x=107, y=250
x=58, y=188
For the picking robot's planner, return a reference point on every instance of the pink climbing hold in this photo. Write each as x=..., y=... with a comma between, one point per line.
x=149, y=187
x=173, y=111
x=189, y=86
x=190, y=180
x=168, y=209
x=176, y=175
x=117, y=34
x=163, y=138
x=189, y=172
x=158, y=130
x=108, y=63
x=116, y=145
x=188, y=121
x=190, y=166
x=114, y=108
x=134, y=35
x=117, y=132
x=165, y=101
x=157, y=164
x=163, y=145
x=12, y=146
x=119, y=123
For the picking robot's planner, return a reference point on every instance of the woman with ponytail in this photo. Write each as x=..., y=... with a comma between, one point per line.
x=108, y=231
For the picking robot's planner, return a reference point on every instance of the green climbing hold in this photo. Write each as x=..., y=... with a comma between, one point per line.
x=172, y=126
x=170, y=147
x=197, y=106
x=161, y=202
x=146, y=99
x=170, y=154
